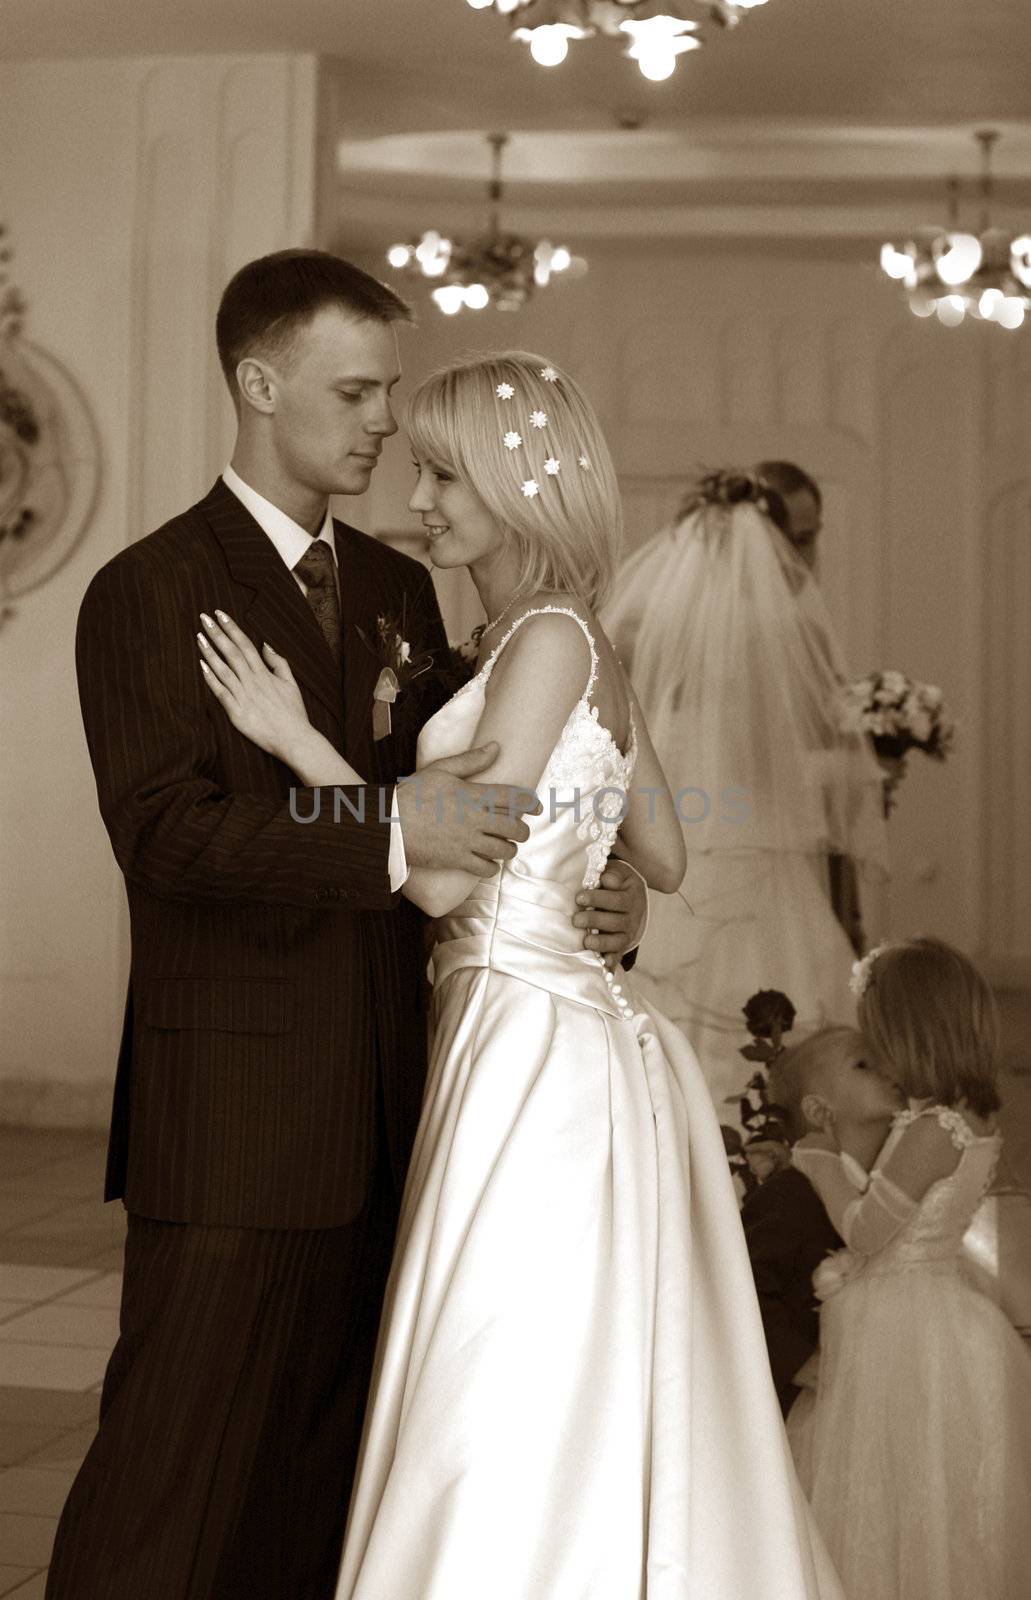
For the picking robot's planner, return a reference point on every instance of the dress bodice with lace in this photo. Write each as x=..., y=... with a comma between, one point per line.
x=521, y=919
x=935, y=1231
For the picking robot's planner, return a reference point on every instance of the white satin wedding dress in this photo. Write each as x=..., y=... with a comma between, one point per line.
x=572, y=1398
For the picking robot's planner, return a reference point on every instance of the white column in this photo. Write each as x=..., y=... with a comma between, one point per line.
x=133, y=188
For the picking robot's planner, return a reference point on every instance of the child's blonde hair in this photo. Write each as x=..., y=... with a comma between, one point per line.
x=569, y=532
x=931, y=1019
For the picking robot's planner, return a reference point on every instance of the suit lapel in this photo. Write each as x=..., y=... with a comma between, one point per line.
x=278, y=612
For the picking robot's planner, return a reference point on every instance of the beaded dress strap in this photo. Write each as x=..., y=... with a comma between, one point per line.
x=947, y=1117
x=546, y=611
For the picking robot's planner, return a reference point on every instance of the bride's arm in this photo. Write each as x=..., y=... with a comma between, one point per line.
x=260, y=697
x=535, y=683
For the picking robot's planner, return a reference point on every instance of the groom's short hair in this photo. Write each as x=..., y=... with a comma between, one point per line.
x=267, y=303
x=787, y=478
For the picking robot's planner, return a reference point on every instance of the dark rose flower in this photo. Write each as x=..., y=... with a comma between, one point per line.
x=768, y=1010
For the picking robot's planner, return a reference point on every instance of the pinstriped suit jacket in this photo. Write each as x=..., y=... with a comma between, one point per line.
x=277, y=987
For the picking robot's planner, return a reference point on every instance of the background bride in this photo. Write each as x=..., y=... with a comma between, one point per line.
x=733, y=657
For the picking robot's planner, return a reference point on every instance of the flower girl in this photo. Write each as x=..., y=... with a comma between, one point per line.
x=915, y=1448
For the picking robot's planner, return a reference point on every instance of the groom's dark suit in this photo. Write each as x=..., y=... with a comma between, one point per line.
x=270, y=1075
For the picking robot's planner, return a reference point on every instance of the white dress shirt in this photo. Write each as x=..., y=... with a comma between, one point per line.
x=293, y=542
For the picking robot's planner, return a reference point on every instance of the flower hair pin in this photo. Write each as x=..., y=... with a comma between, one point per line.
x=862, y=970
x=536, y=421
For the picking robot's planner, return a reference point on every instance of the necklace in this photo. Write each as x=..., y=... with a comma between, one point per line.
x=485, y=627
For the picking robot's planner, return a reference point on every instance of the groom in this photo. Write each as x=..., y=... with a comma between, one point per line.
x=801, y=522
x=272, y=1062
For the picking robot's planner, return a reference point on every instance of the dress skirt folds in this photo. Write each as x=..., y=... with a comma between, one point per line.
x=572, y=1397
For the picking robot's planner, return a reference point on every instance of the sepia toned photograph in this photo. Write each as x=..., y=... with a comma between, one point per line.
x=515, y=800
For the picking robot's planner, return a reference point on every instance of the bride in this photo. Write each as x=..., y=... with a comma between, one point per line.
x=734, y=657
x=572, y=1398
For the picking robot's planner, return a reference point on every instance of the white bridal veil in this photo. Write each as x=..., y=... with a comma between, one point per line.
x=734, y=659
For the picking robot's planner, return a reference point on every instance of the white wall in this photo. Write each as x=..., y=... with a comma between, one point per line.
x=920, y=436
x=132, y=189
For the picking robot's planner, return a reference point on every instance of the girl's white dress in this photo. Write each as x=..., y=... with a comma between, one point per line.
x=572, y=1398
x=915, y=1447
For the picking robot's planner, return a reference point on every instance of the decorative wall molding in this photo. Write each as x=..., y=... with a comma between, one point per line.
x=56, y=472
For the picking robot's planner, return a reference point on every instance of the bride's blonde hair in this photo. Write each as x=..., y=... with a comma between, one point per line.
x=568, y=532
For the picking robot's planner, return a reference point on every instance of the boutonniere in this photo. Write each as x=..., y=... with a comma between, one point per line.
x=400, y=666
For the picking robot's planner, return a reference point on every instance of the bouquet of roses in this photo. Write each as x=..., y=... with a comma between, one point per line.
x=898, y=715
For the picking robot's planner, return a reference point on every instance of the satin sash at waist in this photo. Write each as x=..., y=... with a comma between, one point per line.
x=527, y=939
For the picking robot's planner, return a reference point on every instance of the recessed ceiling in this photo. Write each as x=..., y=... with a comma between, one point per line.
x=874, y=61
x=814, y=118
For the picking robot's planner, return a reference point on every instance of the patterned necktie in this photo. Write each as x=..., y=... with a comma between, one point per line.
x=316, y=571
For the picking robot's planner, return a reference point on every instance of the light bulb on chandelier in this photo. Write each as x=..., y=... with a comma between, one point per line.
x=549, y=45
x=450, y=297
x=499, y=269
x=1011, y=313
x=953, y=273
x=957, y=257
x=659, y=31
x=657, y=42
x=1020, y=259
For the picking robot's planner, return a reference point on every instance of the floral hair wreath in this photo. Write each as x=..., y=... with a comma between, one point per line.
x=538, y=421
x=862, y=970
x=728, y=487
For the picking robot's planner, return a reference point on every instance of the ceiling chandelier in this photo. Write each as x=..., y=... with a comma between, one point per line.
x=950, y=273
x=499, y=269
x=656, y=31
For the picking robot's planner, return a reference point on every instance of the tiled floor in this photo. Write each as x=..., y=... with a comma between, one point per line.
x=60, y=1279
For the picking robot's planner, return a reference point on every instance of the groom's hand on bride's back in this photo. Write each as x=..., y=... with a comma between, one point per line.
x=448, y=821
